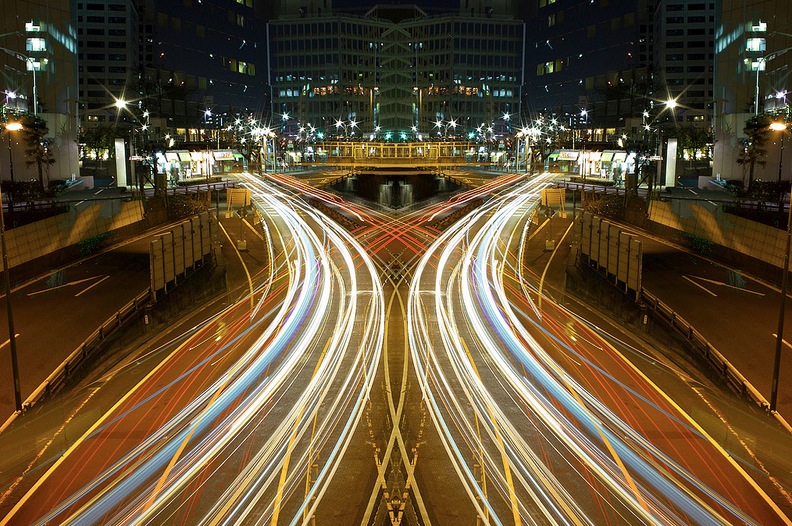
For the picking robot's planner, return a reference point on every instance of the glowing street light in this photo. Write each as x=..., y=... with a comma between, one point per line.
x=11, y=126
x=782, y=127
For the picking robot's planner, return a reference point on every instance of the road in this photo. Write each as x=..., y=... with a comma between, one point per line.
x=247, y=416
x=395, y=373
x=545, y=420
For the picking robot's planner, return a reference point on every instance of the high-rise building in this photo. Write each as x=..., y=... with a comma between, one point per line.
x=683, y=59
x=753, y=58
x=203, y=61
x=589, y=63
x=396, y=71
x=38, y=60
x=107, y=33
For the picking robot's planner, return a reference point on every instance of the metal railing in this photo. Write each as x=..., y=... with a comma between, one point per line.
x=725, y=370
x=66, y=369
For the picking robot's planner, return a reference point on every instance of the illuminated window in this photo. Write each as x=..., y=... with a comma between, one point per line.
x=36, y=26
x=758, y=27
x=36, y=44
x=755, y=44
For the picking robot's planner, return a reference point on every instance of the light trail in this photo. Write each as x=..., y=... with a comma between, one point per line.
x=219, y=433
x=512, y=391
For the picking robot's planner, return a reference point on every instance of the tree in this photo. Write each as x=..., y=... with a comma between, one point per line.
x=38, y=150
x=754, y=146
x=693, y=140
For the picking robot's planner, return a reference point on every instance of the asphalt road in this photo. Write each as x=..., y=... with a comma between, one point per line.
x=409, y=464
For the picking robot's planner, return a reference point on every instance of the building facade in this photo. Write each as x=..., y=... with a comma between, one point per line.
x=203, y=62
x=589, y=63
x=395, y=72
x=753, y=41
x=683, y=59
x=109, y=65
x=38, y=60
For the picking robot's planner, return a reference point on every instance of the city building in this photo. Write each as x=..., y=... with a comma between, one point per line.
x=589, y=63
x=752, y=68
x=396, y=72
x=38, y=60
x=203, y=63
x=109, y=65
x=683, y=59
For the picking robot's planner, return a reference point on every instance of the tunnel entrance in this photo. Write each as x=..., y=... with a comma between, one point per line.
x=397, y=188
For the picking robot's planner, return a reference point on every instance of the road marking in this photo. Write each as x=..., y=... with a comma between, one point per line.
x=16, y=335
x=292, y=440
x=67, y=285
x=702, y=287
x=80, y=441
x=91, y=286
x=723, y=284
x=774, y=336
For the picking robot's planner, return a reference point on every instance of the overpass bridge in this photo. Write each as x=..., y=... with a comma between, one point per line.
x=364, y=155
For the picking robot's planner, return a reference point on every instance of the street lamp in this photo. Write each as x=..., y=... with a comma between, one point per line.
x=779, y=126
x=11, y=126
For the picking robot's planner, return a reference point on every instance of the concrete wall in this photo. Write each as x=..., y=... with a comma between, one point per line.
x=38, y=239
x=757, y=240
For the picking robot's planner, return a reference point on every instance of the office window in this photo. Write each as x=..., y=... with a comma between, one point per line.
x=36, y=44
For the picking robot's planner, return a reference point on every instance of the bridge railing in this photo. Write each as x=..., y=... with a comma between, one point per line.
x=380, y=153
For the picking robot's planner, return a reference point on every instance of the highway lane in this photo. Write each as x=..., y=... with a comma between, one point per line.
x=211, y=434
x=545, y=420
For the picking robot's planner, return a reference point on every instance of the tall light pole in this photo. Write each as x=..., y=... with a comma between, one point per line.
x=778, y=126
x=11, y=126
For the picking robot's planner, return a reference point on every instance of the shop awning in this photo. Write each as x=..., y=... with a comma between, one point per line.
x=594, y=156
x=238, y=156
x=223, y=155
x=197, y=156
x=568, y=155
x=172, y=157
x=607, y=157
x=619, y=157
x=184, y=156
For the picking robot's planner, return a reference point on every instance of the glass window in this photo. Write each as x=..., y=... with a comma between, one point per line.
x=36, y=44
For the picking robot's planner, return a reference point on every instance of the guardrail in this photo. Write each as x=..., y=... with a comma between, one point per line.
x=727, y=372
x=58, y=378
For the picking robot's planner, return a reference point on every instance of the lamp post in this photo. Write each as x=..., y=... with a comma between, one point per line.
x=784, y=282
x=11, y=126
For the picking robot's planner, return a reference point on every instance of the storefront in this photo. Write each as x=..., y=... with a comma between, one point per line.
x=197, y=163
x=563, y=161
x=224, y=161
x=590, y=163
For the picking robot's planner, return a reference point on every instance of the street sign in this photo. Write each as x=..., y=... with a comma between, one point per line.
x=136, y=158
x=655, y=158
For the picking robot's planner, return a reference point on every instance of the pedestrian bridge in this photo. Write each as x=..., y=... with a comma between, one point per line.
x=363, y=154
